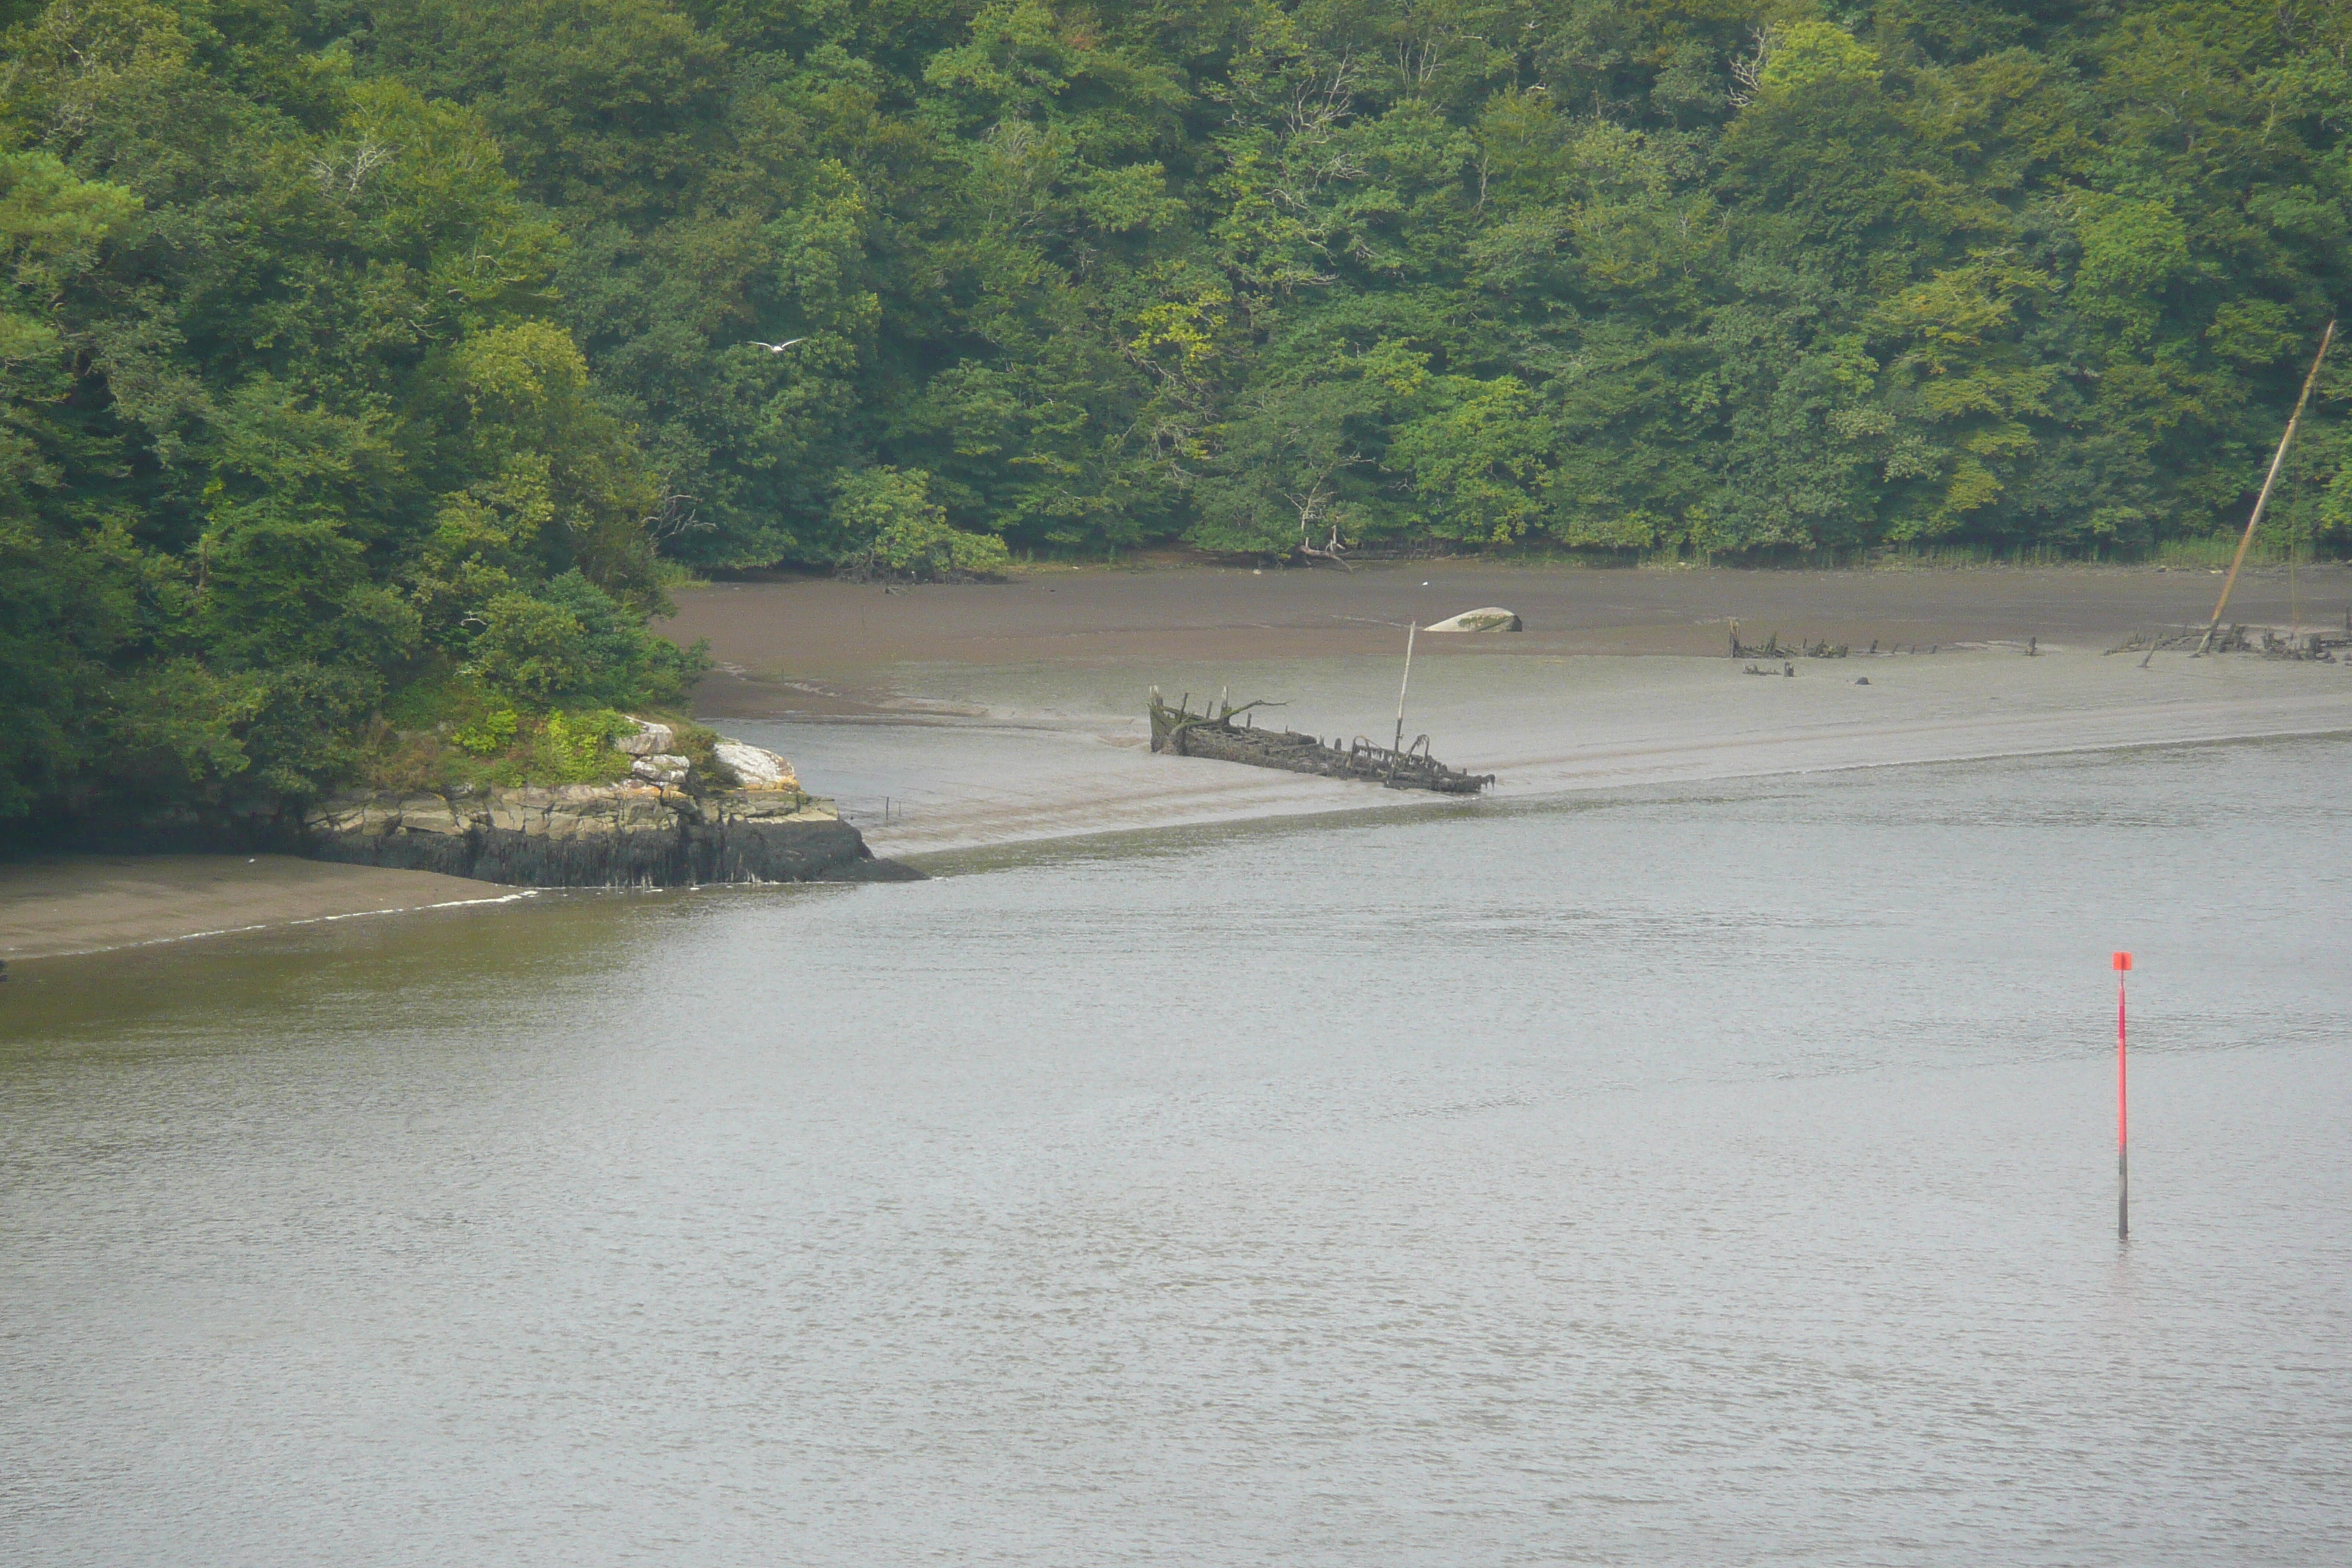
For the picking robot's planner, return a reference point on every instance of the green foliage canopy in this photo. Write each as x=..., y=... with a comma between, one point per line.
x=292, y=418
x=1720, y=277
x=352, y=343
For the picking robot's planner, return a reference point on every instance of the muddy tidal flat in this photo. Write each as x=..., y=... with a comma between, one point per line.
x=835, y=636
x=953, y=718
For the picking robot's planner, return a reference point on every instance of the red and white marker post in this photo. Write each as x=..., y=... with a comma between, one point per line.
x=2123, y=1119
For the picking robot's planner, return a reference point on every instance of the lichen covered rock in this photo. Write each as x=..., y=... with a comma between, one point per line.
x=751, y=767
x=661, y=768
x=649, y=739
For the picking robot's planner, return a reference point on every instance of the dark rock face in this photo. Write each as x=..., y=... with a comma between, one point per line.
x=601, y=835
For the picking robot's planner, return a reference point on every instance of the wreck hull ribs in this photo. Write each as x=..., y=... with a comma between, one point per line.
x=1188, y=734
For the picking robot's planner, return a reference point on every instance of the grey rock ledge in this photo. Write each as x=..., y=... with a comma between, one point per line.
x=630, y=834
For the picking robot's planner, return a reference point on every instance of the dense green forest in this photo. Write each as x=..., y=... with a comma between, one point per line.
x=374, y=362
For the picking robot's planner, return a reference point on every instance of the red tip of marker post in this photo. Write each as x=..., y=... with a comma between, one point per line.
x=2123, y=961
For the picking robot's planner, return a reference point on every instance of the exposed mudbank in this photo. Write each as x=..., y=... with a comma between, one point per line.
x=81, y=903
x=598, y=835
x=817, y=648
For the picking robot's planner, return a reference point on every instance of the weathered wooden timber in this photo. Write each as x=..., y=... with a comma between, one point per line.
x=1213, y=733
x=1771, y=647
x=2269, y=642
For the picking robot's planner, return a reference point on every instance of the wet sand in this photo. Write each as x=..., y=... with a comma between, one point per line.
x=950, y=719
x=52, y=908
x=819, y=646
x=1045, y=751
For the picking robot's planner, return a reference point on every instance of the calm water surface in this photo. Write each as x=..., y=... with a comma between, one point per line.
x=1673, y=1178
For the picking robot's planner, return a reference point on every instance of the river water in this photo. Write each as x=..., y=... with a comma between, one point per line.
x=1721, y=1174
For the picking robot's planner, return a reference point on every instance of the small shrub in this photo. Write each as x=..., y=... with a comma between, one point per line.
x=694, y=742
x=491, y=732
x=577, y=747
x=537, y=650
x=906, y=535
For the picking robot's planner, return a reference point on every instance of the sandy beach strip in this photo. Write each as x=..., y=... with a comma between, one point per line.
x=51, y=909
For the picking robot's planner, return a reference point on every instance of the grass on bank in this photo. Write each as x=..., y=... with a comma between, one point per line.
x=451, y=732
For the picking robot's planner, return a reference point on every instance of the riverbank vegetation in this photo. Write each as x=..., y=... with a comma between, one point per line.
x=357, y=355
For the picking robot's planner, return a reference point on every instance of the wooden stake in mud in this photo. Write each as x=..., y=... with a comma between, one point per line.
x=2278, y=461
x=2122, y=1120
x=1409, y=633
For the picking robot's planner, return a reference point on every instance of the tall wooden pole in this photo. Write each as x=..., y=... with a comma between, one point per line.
x=1409, y=633
x=2123, y=1111
x=2278, y=461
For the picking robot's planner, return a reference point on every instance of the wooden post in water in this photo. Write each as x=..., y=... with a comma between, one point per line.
x=1410, y=632
x=2123, y=1120
x=2278, y=461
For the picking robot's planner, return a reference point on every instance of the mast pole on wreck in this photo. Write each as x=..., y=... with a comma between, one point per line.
x=1409, y=633
x=2278, y=461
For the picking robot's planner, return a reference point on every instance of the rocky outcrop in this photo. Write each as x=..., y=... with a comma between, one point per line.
x=664, y=826
x=752, y=768
x=649, y=739
x=594, y=835
x=661, y=768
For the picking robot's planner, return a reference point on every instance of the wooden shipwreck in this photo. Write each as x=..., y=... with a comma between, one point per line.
x=1213, y=732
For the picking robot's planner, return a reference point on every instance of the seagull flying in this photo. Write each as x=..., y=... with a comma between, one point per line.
x=774, y=348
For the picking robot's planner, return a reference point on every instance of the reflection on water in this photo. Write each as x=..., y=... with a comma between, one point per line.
x=1663, y=1178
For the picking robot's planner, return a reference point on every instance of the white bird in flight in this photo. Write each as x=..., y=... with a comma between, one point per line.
x=774, y=348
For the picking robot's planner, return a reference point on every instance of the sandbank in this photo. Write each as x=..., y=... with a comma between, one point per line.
x=49, y=909
x=948, y=719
